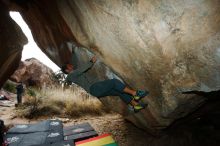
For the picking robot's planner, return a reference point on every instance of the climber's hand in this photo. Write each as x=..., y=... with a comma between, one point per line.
x=94, y=59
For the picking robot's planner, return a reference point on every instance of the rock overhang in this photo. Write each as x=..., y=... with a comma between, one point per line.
x=167, y=47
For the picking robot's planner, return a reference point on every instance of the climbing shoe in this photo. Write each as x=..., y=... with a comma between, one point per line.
x=140, y=94
x=138, y=107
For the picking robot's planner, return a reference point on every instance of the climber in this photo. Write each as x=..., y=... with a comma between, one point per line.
x=109, y=87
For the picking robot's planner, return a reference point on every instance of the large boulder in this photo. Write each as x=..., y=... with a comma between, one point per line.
x=12, y=40
x=169, y=47
x=33, y=73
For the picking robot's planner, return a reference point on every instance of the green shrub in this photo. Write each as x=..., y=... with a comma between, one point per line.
x=31, y=92
x=10, y=87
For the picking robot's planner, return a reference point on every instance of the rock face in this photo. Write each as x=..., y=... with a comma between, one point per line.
x=171, y=48
x=33, y=73
x=12, y=40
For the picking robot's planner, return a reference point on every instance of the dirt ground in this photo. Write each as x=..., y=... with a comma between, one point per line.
x=195, y=130
x=124, y=132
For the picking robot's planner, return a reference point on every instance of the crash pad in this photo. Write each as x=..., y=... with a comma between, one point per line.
x=97, y=141
x=111, y=144
x=43, y=126
x=79, y=132
x=79, y=128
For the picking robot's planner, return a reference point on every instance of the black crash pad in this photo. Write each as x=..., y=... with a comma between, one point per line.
x=61, y=143
x=48, y=133
x=79, y=132
x=33, y=138
x=81, y=136
x=47, y=125
x=80, y=128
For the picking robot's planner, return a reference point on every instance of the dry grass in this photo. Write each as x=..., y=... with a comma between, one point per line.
x=72, y=102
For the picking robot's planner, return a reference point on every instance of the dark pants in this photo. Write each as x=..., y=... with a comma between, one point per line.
x=112, y=87
x=19, y=98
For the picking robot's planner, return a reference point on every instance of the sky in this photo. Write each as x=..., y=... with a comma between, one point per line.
x=31, y=49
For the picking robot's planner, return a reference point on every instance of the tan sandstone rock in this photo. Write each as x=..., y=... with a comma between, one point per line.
x=33, y=73
x=169, y=47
